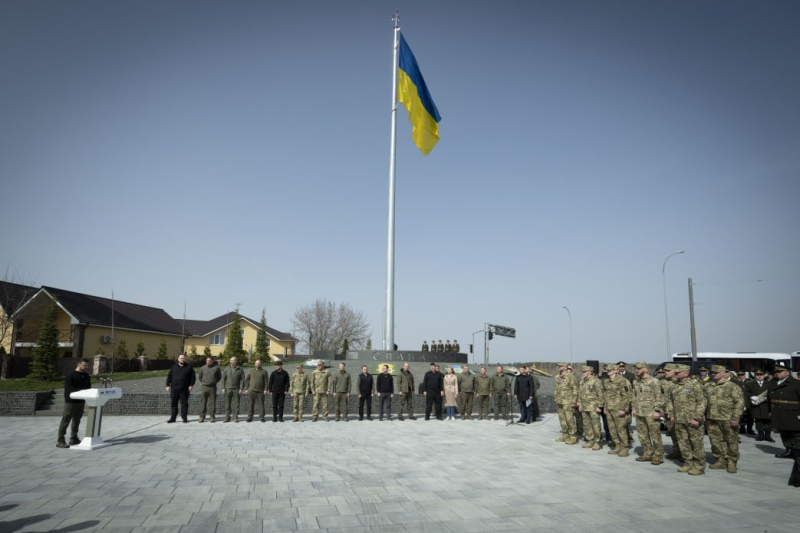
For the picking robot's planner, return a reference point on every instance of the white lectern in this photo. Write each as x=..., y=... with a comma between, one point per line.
x=95, y=400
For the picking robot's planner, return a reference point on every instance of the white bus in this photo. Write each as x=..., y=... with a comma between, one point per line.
x=747, y=361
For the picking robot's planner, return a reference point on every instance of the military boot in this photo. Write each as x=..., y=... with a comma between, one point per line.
x=561, y=439
x=74, y=441
x=587, y=444
x=657, y=461
x=768, y=437
x=760, y=436
x=201, y=420
x=623, y=452
x=696, y=471
x=685, y=468
x=62, y=444
x=213, y=419
x=571, y=440
x=596, y=446
x=731, y=467
x=615, y=451
x=719, y=465
x=643, y=458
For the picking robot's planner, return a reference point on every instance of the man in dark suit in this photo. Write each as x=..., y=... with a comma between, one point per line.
x=433, y=389
x=755, y=399
x=784, y=401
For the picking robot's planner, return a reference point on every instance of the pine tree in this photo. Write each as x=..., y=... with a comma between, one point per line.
x=163, y=351
x=207, y=352
x=140, y=352
x=122, y=350
x=45, y=354
x=234, y=347
x=262, y=341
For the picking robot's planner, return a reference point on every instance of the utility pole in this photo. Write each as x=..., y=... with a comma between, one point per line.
x=691, y=321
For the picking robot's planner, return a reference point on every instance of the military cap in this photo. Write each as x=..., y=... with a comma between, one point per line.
x=609, y=367
x=742, y=372
x=779, y=368
x=681, y=368
x=715, y=369
x=586, y=368
x=661, y=370
x=561, y=364
x=639, y=366
x=622, y=363
x=760, y=372
x=320, y=363
x=704, y=369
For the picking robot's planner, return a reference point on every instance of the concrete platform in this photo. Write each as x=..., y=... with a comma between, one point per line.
x=369, y=476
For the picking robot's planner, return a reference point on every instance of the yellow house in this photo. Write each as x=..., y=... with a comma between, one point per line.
x=88, y=325
x=214, y=334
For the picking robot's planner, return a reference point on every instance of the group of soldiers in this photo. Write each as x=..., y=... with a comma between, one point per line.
x=440, y=347
x=715, y=403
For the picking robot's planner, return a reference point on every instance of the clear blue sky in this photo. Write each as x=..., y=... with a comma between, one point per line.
x=224, y=152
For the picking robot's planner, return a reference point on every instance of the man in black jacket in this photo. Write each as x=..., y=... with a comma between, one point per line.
x=76, y=380
x=524, y=391
x=180, y=381
x=784, y=401
x=384, y=386
x=278, y=387
x=433, y=389
x=364, y=393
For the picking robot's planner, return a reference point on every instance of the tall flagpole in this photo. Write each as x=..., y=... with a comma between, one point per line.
x=388, y=335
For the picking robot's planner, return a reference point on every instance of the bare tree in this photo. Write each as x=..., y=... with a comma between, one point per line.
x=323, y=325
x=13, y=292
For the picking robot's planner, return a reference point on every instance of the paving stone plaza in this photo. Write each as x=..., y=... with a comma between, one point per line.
x=369, y=476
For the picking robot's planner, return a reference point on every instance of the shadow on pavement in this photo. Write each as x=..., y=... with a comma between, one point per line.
x=146, y=439
x=16, y=525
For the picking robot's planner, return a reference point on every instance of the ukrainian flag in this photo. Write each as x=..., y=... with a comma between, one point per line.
x=413, y=94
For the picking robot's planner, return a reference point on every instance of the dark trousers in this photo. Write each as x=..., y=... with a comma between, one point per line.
x=278, y=399
x=256, y=400
x=386, y=398
x=72, y=414
x=525, y=411
x=791, y=440
x=430, y=399
x=364, y=398
x=208, y=395
x=182, y=396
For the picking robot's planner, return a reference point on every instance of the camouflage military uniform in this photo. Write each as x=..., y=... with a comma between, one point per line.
x=617, y=396
x=566, y=396
x=725, y=405
x=466, y=388
x=320, y=387
x=483, y=388
x=688, y=403
x=501, y=387
x=667, y=386
x=299, y=387
x=590, y=398
x=648, y=399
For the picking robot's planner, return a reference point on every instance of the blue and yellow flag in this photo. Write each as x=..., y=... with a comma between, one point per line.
x=413, y=94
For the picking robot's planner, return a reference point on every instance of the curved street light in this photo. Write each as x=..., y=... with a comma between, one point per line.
x=666, y=312
x=570, y=333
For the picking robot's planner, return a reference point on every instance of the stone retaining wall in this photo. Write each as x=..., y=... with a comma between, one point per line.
x=21, y=403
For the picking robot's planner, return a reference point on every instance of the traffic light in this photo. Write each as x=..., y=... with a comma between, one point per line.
x=470, y=348
x=491, y=335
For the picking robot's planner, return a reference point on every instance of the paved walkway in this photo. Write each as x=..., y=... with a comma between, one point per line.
x=369, y=476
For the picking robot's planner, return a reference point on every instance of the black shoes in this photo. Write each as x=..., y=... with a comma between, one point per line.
x=62, y=444
x=785, y=455
x=171, y=421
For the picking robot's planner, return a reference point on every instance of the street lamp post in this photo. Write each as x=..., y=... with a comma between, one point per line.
x=570, y=333
x=666, y=312
x=473, y=344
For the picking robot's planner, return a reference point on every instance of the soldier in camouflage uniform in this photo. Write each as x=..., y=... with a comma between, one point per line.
x=466, y=389
x=298, y=388
x=566, y=396
x=483, y=389
x=648, y=408
x=667, y=385
x=456, y=346
x=590, y=403
x=424, y=346
x=448, y=347
x=617, y=395
x=688, y=407
x=320, y=388
x=440, y=347
x=501, y=388
x=725, y=406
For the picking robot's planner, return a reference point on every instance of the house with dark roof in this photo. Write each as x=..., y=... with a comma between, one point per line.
x=214, y=333
x=12, y=295
x=88, y=325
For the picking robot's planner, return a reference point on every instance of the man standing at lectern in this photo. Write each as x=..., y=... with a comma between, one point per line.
x=180, y=381
x=76, y=380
